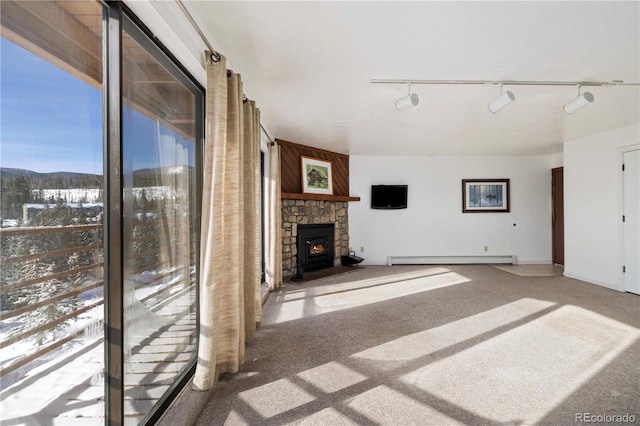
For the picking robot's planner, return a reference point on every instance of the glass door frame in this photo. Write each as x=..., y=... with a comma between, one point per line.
x=118, y=18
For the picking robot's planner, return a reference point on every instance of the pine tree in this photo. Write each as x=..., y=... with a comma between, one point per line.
x=82, y=216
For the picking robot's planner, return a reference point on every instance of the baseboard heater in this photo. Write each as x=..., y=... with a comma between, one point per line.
x=450, y=260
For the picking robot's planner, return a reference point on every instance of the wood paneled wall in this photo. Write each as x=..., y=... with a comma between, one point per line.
x=290, y=163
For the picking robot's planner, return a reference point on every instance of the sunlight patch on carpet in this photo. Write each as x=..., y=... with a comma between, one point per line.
x=275, y=398
x=384, y=405
x=331, y=377
x=340, y=285
x=328, y=416
x=527, y=371
x=532, y=270
x=346, y=296
x=416, y=345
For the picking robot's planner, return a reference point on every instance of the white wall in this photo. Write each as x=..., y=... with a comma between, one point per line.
x=433, y=224
x=593, y=206
x=556, y=161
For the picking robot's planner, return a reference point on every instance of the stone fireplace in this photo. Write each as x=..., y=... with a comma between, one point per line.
x=297, y=215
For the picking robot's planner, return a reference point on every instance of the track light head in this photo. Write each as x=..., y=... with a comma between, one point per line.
x=501, y=101
x=580, y=101
x=408, y=101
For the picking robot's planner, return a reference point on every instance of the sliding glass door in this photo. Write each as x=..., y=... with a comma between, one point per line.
x=160, y=219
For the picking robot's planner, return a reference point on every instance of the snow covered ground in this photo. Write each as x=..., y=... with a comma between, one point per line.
x=66, y=386
x=94, y=195
x=89, y=195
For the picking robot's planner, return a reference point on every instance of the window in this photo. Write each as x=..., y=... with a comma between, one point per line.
x=51, y=271
x=57, y=182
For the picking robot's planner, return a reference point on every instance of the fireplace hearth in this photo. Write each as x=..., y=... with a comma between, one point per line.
x=315, y=246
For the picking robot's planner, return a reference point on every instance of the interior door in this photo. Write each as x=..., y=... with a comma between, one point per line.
x=557, y=218
x=631, y=221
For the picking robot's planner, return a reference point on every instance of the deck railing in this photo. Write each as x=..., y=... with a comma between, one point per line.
x=31, y=300
x=52, y=279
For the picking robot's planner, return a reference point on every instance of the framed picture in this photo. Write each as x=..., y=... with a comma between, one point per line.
x=316, y=176
x=485, y=195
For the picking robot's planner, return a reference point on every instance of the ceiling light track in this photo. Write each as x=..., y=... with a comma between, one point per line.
x=508, y=82
x=507, y=97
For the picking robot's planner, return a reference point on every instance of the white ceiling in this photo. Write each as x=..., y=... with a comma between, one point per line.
x=308, y=65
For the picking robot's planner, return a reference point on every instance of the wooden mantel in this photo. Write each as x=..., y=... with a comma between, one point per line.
x=323, y=197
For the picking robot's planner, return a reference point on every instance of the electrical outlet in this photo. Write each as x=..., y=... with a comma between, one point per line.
x=486, y=248
x=350, y=248
x=361, y=249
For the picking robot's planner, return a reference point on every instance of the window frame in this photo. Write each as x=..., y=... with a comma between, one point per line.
x=117, y=18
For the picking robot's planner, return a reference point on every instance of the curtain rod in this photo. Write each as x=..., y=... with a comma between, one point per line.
x=215, y=56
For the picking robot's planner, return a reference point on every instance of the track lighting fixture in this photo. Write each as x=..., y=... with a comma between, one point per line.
x=408, y=101
x=580, y=101
x=501, y=101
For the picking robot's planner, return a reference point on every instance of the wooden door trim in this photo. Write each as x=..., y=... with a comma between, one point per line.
x=554, y=236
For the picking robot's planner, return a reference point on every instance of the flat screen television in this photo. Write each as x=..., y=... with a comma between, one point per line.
x=388, y=197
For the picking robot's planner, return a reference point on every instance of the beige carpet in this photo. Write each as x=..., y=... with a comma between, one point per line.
x=432, y=345
x=532, y=270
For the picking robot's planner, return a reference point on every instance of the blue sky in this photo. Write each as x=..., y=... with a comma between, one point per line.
x=51, y=121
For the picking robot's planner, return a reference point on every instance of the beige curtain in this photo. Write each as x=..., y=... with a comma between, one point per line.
x=229, y=252
x=253, y=296
x=274, y=232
